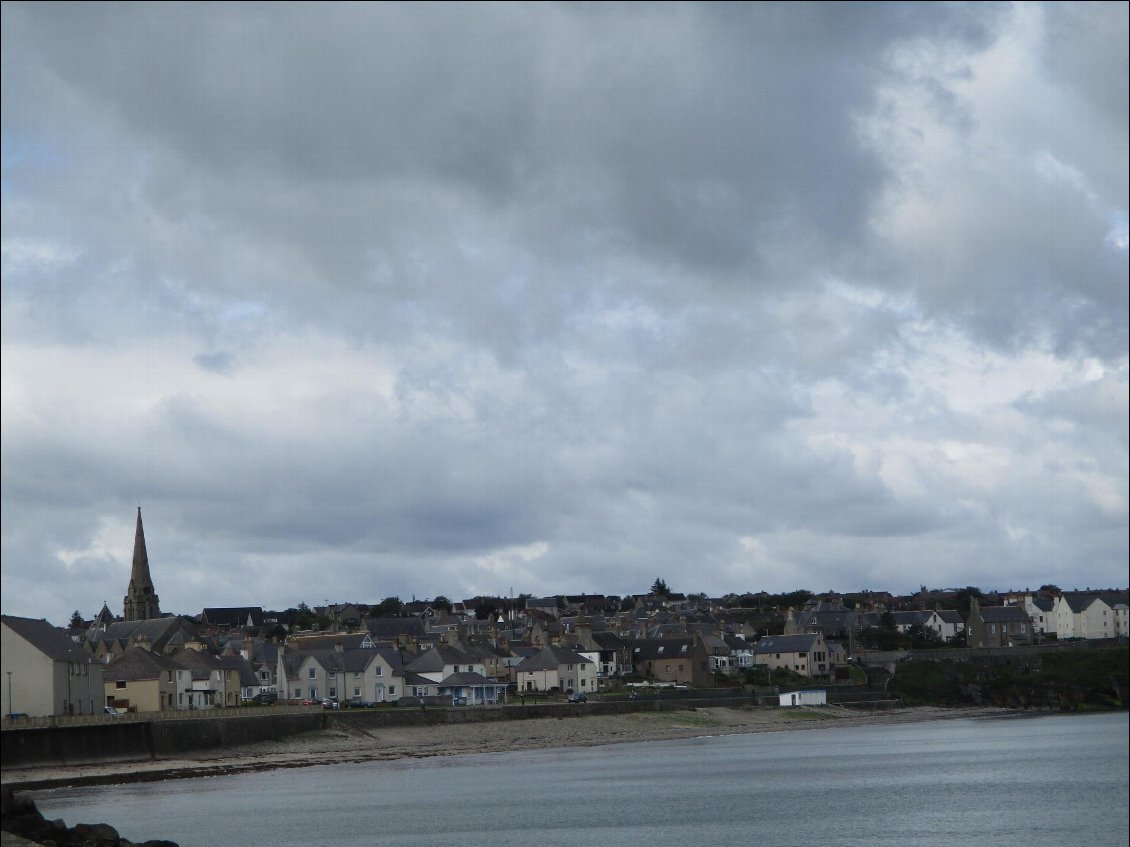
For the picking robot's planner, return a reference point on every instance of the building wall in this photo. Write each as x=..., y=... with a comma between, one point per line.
x=32, y=677
x=143, y=695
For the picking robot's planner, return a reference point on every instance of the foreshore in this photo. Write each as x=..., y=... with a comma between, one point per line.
x=345, y=744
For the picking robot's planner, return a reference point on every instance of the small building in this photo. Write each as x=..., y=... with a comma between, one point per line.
x=818, y=697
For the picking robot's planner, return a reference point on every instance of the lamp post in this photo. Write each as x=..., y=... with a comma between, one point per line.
x=10, y=694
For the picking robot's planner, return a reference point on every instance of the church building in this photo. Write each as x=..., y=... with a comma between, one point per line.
x=141, y=602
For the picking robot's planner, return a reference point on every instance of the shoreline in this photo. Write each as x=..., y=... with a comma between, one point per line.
x=344, y=745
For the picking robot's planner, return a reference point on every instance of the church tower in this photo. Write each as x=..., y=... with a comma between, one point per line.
x=141, y=602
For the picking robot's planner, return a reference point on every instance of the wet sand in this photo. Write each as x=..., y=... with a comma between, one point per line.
x=347, y=744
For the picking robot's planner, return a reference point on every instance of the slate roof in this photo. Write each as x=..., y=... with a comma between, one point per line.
x=550, y=659
x=233, y=616
x=647, y=649
x=388, y=629
x=1004, y=614
x=801, y=643
x=138, y=663
x=436, y=659
x=47, y=639
x=163, y=634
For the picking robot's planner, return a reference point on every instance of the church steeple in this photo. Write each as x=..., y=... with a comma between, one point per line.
x=141, y=602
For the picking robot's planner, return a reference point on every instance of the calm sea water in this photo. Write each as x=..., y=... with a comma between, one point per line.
x=1016, y=782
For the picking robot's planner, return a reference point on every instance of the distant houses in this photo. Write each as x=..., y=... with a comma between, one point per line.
x=485, y=650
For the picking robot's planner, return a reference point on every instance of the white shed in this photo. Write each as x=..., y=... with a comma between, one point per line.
x=804, y=698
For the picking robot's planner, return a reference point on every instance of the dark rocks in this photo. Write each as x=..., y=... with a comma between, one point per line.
x=20, y=815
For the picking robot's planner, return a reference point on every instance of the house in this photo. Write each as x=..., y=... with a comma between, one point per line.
x=830, y=618
x=472, y=689
x=216, y=681
x=442, y=661
x=1080, y=614
x=806, y=654
x=45, y=672
x=556, y=669
x=366, y=673
x=997, y=626
x=679, y=660
x=951, y=624
x=144, y=681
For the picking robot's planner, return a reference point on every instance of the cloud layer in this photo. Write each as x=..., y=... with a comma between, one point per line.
x=368, y=300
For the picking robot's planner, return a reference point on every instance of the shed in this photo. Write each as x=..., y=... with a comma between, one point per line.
x=811, y=697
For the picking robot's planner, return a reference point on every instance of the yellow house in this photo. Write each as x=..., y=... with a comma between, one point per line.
x=141, y=681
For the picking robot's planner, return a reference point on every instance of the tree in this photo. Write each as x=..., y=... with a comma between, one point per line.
x=442, y=602
x=390, y=607
x=659, y=588
x=76, y=620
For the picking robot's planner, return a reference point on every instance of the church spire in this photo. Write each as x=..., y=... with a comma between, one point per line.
x=141, y=602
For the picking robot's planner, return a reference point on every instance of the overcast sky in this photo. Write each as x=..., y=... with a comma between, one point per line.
x=370, y=300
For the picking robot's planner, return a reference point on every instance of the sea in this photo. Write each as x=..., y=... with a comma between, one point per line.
x=1018, y=781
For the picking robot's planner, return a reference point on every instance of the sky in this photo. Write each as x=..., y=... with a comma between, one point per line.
x=373, y=300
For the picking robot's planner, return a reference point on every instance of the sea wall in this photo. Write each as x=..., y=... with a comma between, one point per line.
x=169, y=737
x=140, y=740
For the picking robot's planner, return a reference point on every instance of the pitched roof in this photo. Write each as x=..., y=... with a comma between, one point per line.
x=1004, y=614
x=551, y=658
x=139, y=663
x=232, y=615
x=436, y=659
x=646, y=649
x=801, y=643
x=47, y=639
x=390, y=628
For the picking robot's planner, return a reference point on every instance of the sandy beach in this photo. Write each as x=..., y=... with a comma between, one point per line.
x=340, y=745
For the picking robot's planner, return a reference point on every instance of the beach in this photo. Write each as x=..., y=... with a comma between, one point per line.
x=341, y=744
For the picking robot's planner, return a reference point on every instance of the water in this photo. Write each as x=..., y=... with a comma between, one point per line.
x=1020, y=782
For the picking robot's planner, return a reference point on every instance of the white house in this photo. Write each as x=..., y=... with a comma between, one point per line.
x=367, y=674
x=1082, y=615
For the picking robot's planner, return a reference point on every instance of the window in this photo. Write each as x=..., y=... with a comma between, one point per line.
x=356, y=692
x=119, y=684
x=297, y=693
x=313, y=673
x=391, y=690
x=333, y=692
x=379, y=671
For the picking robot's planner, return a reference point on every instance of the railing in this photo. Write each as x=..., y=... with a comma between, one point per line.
x=46, y=721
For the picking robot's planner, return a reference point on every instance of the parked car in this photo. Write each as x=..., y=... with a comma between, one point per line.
x=112, y=710
x=329, y=703
x=579, y=697
x=357, y=703
x=266, y=697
